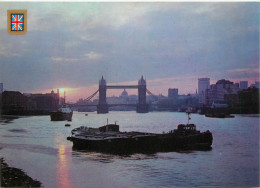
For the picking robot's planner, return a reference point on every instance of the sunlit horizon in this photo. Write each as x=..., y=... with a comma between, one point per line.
x=74, y=94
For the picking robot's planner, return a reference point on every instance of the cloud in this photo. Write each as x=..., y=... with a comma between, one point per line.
x=93, y=55
x=64, y=60
x=5, y=51
x=247, y=70
x=88, y=37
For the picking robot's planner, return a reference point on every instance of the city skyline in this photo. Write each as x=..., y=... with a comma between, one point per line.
x=171, y=44
x=119, y=92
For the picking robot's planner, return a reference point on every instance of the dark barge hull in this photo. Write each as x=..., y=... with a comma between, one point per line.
x=59, y=116
x=146, y=144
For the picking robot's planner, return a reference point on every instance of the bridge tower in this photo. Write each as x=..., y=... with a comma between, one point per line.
x=102, y=107
x=142, y=107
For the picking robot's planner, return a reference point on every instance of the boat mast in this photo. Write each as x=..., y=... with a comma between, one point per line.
x=188, y=114
x=64, y=97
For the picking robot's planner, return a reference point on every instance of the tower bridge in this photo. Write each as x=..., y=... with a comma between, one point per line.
x=103, y=106
x=141, y=106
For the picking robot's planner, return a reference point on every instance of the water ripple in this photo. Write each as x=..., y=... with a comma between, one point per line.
x=18, y=130
x=31, y=148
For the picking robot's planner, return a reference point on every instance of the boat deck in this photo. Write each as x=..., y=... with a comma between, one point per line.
x=111, y=135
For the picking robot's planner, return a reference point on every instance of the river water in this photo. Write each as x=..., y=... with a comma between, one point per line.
x=39, y=147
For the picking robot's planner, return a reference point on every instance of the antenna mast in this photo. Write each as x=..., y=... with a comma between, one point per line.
x=188, y=112
x=64, y=97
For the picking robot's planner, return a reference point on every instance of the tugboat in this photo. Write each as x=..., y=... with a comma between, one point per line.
x=64, y=113
x=109, y=139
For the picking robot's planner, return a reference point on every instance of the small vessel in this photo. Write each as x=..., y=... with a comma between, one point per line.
x=86, y=114
x=219, y=115
x=109, y=139
x=67, y=125
x=63, y=113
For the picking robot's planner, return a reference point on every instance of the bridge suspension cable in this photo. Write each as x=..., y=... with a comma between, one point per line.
x=151, y=94
x=91, y=96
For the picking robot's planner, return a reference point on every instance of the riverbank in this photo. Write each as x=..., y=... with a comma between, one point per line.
x=14, y=177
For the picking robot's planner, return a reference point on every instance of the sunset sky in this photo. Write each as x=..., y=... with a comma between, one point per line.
x=71, y=45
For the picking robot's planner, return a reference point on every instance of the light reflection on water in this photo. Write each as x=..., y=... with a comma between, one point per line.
x=45, y=154
x=64, y=160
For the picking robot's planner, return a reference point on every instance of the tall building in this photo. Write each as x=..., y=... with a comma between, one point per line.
x=217, y=92
x=173, y=93
x=1, y=87
x=203, y=85
x=243, y=84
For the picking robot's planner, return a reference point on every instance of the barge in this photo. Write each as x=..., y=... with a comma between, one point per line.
x=109, y=139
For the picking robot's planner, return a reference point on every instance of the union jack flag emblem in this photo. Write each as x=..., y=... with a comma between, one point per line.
x=17, y=22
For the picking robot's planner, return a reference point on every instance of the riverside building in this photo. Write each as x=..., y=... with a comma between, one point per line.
x=243, y=84
x=203, y=85
x=217, y=92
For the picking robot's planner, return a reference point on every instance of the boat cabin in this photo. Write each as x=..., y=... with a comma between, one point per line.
x=185, y=129
x=65, y=110
x=109, y=127
x=188, y=127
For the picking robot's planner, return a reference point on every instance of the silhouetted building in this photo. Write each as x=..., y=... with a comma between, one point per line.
x=16, y=103
x=243, y=84
x=173, y=93
x=203, y=85
x=231, y=100
x=217, y=91
x=248, y=101
x=13, y=102
x=46, y=102
x=256, y=85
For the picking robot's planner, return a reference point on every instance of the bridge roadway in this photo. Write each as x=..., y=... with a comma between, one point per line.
x=122, y=87
x=88, y=105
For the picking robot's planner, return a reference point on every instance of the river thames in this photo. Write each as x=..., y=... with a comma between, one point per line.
x=40, y=148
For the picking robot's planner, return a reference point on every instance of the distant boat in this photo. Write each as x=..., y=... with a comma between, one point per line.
x=219, y=115
x=86, y=114
x=64, y=113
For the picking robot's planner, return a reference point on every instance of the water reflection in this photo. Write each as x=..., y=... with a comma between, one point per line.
x=63, y=167
x=30, y=147
x=93, y=156
x=18, y=130
x=109, y=158
x=7, y=119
